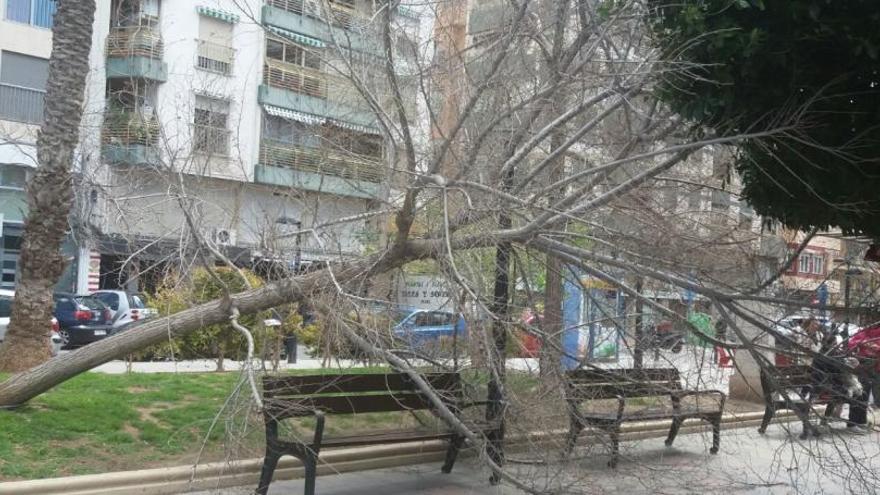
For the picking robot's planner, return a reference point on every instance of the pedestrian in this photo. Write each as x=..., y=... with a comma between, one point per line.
x=864, y=345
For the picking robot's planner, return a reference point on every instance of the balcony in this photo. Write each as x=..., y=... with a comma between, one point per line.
x=306, y=17
x=135, y=52
x=21, y=104
x=278, y=153
x=130, y=137
x=340, y=14
x=213, y=57
x=286, y=164
x=277, y=74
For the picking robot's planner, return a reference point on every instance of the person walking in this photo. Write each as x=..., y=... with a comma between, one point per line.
x=865, y=345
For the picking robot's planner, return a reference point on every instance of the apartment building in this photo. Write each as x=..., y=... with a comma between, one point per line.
x=231, y=117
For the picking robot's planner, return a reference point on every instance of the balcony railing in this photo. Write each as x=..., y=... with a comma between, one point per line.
x=21, y=104
x=339, y=15
x=134, y=41
x=296, y=78
x=276, y=153
x=130, y=127
x=214, y=57
x=210, y=140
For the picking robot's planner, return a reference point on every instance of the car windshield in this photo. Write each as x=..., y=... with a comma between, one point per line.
x=108, y=298
x=136, y=302
x=91, y=303
x=400, y=315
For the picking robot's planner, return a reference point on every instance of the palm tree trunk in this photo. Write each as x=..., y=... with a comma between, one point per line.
x=49, y=192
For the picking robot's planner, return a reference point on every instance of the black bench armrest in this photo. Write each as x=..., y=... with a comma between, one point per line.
x=319, y=429
x=680, y=394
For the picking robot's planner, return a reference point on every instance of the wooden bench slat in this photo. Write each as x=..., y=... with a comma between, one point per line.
x=626, y=375
x=352, y=383
x=351, y=404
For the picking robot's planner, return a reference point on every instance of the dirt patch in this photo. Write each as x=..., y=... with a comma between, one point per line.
x=139, y=390
x=131, y=430
x=146, y=412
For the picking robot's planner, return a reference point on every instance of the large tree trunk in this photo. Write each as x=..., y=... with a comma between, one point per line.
x=50, y=194
x=24, y=386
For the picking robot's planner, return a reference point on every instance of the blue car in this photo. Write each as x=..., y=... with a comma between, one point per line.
x=82, y=319
x=419, y=327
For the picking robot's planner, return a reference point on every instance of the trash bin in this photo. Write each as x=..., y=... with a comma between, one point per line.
x=290, y=348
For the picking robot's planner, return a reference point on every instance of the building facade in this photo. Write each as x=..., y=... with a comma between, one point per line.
x=230, y=123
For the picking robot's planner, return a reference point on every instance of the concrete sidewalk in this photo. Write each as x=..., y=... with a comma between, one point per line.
x=777, y=463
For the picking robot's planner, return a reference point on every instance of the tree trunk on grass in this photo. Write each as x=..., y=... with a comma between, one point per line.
x=49, y=193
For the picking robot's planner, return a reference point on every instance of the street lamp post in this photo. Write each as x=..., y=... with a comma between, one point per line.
x=290, y=340
x=847, y=285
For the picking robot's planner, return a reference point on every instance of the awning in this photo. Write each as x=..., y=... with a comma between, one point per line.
x=310, y=119
x=217, y=14
x=353, y=127
x=305, y=118
x=299, y=38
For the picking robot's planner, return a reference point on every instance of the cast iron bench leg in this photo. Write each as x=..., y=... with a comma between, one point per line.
x=270, y=462
x=769, y=412
x=573, y=432
x=614, y=433
x=673, y=430
x=455, y=444
x=716, y=433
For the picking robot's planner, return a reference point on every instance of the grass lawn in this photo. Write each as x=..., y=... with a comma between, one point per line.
x=98, y=423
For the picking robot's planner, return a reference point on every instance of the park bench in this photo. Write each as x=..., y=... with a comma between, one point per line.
x=319, y=396
x=624, y=385
x=794, y=388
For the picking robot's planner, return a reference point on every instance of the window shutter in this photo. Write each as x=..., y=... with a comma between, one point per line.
x=215, y=31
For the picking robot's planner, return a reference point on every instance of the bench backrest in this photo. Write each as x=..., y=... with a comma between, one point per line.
x=785, y=379
x=296, y=396
x=611, y=383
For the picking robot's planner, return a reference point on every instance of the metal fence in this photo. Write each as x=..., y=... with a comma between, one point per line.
x=210, y=140
x=277, y=153
x=21, y=104
x=134, y=41
x=215, y=57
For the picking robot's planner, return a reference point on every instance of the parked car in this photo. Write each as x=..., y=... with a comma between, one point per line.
x=418, y=327
x=6, y=298
x=126, y=308
x=82, y=319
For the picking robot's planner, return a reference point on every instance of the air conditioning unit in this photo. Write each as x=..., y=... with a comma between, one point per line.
x=223, y=237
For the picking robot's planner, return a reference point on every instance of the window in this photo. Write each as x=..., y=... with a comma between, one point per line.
x=10, y=252
x=22, y=87
x=215, y=52
x=209, y=126
x=720, y=200
x=13, y=176
x=5, y=306
x=292, y=54
x=746, y=215
x=811, y=264
x=110, y=299
x=35, y=12
x=291, y=132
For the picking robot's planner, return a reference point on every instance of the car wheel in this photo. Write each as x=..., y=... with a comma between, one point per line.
x=65, y=338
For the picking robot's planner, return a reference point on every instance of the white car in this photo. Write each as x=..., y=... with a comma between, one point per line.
x=6, y=297
x=127, y=308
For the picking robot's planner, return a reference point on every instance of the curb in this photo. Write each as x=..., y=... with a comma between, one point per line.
x=179, y=479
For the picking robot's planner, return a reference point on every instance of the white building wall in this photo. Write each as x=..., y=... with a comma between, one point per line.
x=179, y=23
